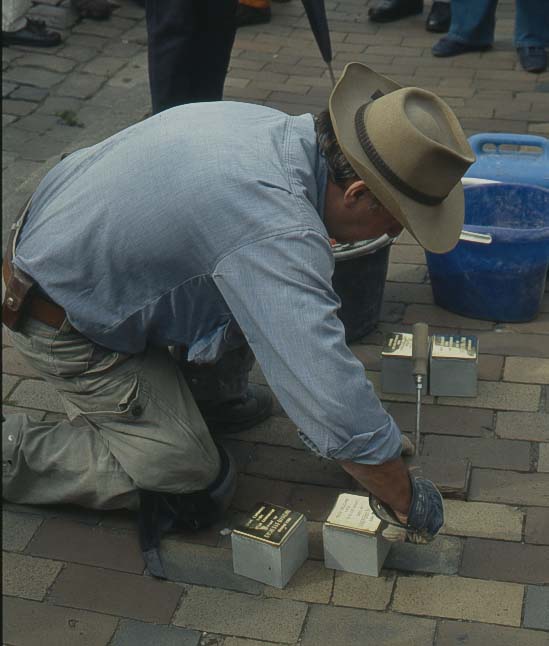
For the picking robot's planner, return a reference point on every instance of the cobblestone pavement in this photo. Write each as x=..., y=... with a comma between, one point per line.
x=77, y=577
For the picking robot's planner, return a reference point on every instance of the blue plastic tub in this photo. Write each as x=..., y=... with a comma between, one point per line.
x=507, y=157
x=504, y=280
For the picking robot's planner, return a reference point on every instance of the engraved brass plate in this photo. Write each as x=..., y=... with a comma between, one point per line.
x=454, y=347
x=269, y=524
x=398, y=345
x=354, y=513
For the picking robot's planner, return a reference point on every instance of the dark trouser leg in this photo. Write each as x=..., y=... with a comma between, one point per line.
x=190, y=44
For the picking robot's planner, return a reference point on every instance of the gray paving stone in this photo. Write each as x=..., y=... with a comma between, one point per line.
x=29, y=93
x=313, y=501
x=351, y=627
x=7, y=119
x=505, y=561
x=17, y=108
x=451, y=477
x=494, y=454
x=51, y=63
x=442, y=556
x=240, y=615
x=434, y=315
x=78, y=53
x=444, y=420
x=37, y=394
x=501, y=396
x=80, y=543
x=508, y=487
x=311, y=583
x=536, y=608
x=201, y=565
x=58, y=104
x=533, y=427
x=115, y=593
x=282, y=463
x=513, y=344
x=526, y=370
x=457, y=633
x=404, y=273
x=8, y=88
x=38, y=123
x=80, y=86
x=543, y=458
x=18, y=529
x=94, y=28
x=26, y=576
x=37, y=624
x=138, y=633
x=33, y=76
x=41, y=148
x=103, y=66
x=68, y=512
x=537, y=526
x=455, y=597
x=251, y=489
x=407, y=293
x=482, y=520
x=358, y=591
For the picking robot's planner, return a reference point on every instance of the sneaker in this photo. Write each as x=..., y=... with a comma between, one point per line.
x=33, y=34
x=251, y=16
x=238, y=414
x=449, y=47
x=533, y=58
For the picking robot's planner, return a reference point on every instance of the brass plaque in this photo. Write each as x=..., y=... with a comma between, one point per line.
x=398, y=345
x=269, y=523
x=454, y=347
x=354, y=513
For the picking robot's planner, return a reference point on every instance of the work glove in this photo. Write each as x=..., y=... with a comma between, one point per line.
x=425, y=518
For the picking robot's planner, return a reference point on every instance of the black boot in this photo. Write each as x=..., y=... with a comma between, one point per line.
x=389, y=10
x=439, y=17
x=251, y=15
x=238, y=414
x=33, y=34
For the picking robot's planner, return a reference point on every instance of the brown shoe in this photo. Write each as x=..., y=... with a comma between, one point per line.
x=94, y=9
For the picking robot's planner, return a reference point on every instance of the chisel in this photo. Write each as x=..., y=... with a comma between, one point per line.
x=420, y=353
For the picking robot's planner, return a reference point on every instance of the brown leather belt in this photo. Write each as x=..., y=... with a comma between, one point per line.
x=21, y=295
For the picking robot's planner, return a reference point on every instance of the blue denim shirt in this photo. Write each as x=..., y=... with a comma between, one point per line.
x=199, y=225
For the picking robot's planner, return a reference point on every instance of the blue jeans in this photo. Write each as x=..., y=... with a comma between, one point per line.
x=473, y=22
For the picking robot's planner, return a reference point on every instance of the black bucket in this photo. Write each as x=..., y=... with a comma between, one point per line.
x=359, y=281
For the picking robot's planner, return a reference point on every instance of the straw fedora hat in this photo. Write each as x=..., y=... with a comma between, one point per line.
x=408, y=147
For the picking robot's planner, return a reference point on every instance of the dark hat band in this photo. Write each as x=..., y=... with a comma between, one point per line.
x=376, y=159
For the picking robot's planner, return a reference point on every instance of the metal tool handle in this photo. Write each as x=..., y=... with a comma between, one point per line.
x=420, y=349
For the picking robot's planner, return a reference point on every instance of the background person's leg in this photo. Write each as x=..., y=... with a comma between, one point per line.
x=14, y=14
x=133, y=424
x=473, y=21
x=532, y=34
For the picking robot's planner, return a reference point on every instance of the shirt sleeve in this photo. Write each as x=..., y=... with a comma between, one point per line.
x=280, y=292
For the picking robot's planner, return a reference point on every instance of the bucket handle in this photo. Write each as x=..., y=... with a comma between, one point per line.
x=478, y=141
x=473, y=236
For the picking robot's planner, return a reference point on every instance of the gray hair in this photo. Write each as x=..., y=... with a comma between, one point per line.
x=339, y=169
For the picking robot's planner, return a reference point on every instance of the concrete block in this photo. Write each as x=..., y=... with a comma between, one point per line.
x=352, y=537
x=241, y=615
x=27, y=577
x=458, y=598
x=482, y=520
x=270, y=545
x=536, y=607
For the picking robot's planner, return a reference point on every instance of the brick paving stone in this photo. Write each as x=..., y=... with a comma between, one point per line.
x=18, y=108
x=508, y=487
x=536, y=608
x=455, y=597
x=413, y=254
x=8, y=382
x=314, y=501
x=526, y=370
x=17, y=530
x=537, y=526
x=451, y=477
x=37, y=394
x=138, y=633
x=26, y=576
x=51, y=63
x=351, y=627
x=482, y=520
x=29, y=623
x=80, y=86
x=405, y=273
x=505, y=561
x=33, y=76
x=533, y=427
x=434, y=315
x=316, y=546
x=115, y=593
x=494, y=454
x=501, y=396
x=202, y=565
x=237, y=614
x=540, y=325
x=283, y=463
x=490, y=367
x=444, y=420
x=312, y=583
x=251, y=490
x=543, y=459
x=29, y=93
x=442, y=556
x=358, y=591
x=456, y=633
x=78, y=543
x=513, y=344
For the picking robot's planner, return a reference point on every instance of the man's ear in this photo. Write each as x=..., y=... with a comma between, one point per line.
x=354, y=192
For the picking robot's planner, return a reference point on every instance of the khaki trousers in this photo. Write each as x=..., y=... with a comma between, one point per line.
x=13, y=14
x=132, y=423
